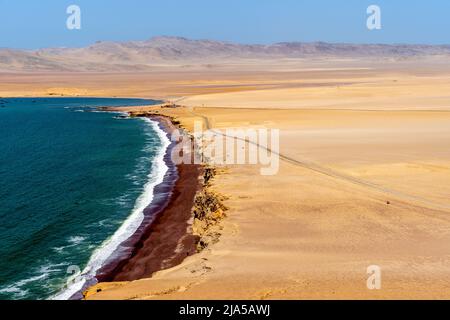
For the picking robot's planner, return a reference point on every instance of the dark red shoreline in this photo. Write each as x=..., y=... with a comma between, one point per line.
x=162, y=241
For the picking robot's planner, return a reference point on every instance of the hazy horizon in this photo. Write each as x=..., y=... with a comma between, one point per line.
x=224, y=41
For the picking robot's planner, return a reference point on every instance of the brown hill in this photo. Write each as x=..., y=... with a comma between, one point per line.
x=143, y=55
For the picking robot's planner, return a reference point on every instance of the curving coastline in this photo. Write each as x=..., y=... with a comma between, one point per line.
x=121, y=244
x=155, y=237
x=152, y=248
x=180, y=225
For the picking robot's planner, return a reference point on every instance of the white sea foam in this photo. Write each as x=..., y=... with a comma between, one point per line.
x=15, y=291
x=76, y=240
x=73, y=242
x=43, y=273
x=131, y=224
x=50, y=268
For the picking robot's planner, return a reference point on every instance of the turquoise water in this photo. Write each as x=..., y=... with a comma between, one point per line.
x=69, y=178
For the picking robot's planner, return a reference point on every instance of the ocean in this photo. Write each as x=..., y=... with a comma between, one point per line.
x=73, y=185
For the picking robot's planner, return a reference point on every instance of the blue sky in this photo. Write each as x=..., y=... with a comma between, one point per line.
x=36, y=24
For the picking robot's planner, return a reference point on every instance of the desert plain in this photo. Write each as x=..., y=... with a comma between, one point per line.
x=364, y=176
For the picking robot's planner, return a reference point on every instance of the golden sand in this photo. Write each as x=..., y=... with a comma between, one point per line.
x=367, y=182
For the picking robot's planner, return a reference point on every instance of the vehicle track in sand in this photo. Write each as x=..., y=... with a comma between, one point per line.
x=417, y=201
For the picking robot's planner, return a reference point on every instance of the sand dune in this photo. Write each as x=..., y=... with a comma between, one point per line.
x=364, y=176
x=305, y=234
x=363, y=181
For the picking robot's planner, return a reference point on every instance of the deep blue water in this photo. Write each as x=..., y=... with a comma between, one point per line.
x=68, y=180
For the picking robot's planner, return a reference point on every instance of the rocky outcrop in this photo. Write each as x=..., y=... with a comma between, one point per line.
x=208, y=211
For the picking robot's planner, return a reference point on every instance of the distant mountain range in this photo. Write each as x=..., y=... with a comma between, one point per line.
x=142, y=55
